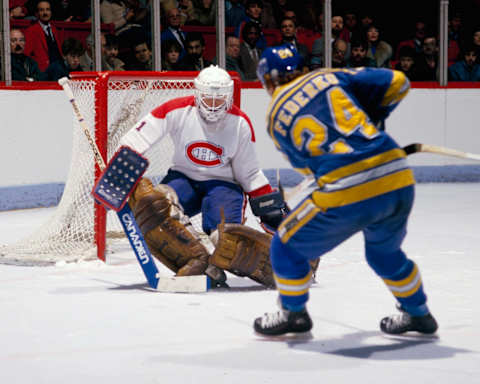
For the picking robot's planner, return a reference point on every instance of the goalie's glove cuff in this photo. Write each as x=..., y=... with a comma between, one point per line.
x=271, y=208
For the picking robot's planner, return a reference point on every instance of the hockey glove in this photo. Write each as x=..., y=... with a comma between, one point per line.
x=271, y=208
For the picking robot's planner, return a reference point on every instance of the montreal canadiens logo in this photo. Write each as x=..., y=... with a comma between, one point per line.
x=204, y=153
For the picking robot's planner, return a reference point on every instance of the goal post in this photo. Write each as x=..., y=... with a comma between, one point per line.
x=111, y=103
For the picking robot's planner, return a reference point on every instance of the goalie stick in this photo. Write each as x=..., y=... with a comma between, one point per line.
x=125, y=215
x=409, y=150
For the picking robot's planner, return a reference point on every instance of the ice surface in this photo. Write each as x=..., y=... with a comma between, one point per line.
x=91, y=322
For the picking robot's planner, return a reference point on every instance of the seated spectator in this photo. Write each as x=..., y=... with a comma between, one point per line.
x=17, y=9
x=366, y=19
x=339, y=50
x=42, y=40
x=378, y=50
x=171, y=55
x=249, y=51
x=187, y=12
x=426, y=66
x=406, y=62
x=466, y=69
x=173, y=31
x=268, y=19
x=318, y=44
x=232, y=55
x=351, y=29
x=416, y=42
x=142, y=60
x=24, y=68
x=358, y=54
x=72, y=49
x=126, y=22
x=455, y=27
x=87, y=60
x=204, y=12
x=304, y=35
x=288, y=31
x=253, y=10
x=111, y=61
x=194, y=60
x=234, y=13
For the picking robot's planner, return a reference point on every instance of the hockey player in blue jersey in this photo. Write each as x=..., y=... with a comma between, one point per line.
x=326, y=122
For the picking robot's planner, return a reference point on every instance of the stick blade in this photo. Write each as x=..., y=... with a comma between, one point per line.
x=413, y=148
x=183, y=284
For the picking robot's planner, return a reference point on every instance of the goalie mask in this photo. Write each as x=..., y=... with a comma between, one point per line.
x=213, y=93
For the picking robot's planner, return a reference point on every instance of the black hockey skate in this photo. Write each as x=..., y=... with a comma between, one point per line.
x=218, y=278
x=282, y=322
x=404, y=322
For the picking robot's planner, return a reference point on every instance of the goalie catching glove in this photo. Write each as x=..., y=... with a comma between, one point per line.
x=168, y=239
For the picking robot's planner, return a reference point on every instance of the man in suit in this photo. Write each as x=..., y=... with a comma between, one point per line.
x=43, y=42
x=194, y=60
x=24, y=68
x=174, y=30
x=288, y=29
x=249, y=52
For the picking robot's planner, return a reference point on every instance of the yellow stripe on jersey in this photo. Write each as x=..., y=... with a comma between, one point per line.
x=293, y=287
x=297, y=219
x=364, y=191
x=407, y=286
x=398, y=89
x=362, y=165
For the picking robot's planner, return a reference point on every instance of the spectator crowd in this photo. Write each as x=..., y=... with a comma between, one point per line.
x=39, y=52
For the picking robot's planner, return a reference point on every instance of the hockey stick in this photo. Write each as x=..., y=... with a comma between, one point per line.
x=409, y=150
x=418, y=147
x=130, y=226
x=302, y=186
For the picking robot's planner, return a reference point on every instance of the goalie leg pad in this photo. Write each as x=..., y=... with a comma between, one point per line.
x=244, y=251
x=168, y=239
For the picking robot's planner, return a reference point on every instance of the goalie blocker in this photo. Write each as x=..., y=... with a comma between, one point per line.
x=119, y=178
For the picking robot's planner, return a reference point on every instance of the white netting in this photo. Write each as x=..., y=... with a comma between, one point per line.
x=69, y=235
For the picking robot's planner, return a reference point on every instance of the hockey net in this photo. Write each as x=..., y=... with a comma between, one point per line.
x=111, y=104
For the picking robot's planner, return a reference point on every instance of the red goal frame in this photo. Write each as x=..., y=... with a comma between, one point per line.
x=101, y=88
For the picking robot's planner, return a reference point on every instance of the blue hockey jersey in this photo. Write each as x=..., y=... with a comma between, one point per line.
x=325, y=122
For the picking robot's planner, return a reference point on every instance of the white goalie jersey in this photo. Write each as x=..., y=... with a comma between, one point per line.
x=224, y=150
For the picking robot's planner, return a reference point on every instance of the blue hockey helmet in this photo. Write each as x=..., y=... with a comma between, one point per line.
x=276, y=62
